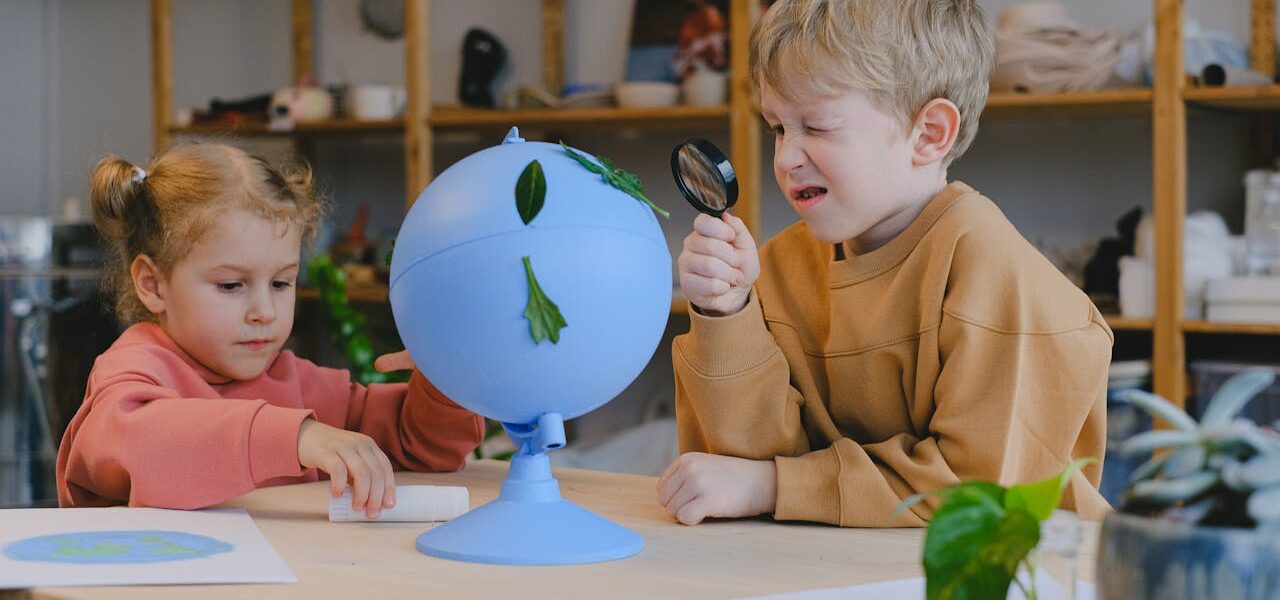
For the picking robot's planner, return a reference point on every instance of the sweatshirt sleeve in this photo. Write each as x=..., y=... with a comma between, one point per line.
x=1010, y=408
x=418, y=427
x=142, y=442
x=733, y=392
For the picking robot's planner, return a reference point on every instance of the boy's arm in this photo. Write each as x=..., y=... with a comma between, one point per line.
x=142, y=443
x=733, y=392
x=1010, y=408
x=418, y=427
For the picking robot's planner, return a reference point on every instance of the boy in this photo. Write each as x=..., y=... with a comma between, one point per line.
x=903, y=336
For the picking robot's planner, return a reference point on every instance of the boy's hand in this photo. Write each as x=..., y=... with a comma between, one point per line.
x=696, y=486
x=718, y=265
x=348, y=455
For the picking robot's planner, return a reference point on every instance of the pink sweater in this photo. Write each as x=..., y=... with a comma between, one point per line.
x=158, y=429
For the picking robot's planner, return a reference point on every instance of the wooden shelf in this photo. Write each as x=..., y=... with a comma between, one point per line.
x=1236, y=98
x=456, y=117
x=1117, y=322
x=334, y=126
x=1104, y=103
x=1217, y=327
x=445, y=117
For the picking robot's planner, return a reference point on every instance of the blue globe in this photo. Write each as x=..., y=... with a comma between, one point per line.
x=459, y=288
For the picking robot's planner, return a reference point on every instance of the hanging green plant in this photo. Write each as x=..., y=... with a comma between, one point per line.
x=545, y=320
x=616, y=177
x=982, y=532
x=345, y=324
x=531, y=191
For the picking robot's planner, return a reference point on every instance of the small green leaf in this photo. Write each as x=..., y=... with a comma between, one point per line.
x=531, y=191
x=624, y=181
x=1040, y=498
x=545, y=320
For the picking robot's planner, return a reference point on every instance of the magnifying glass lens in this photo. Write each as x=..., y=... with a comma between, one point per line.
x=704, y=176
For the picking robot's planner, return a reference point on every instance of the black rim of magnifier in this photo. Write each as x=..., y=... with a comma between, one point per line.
x=723, y=171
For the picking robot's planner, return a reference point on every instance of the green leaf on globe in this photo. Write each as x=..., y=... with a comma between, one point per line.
x=531, y=191
x=627, y=182
x=545, y=320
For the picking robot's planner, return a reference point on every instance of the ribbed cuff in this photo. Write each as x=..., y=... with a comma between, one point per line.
x=809, y=487
x=273, y=442
x=721, y=346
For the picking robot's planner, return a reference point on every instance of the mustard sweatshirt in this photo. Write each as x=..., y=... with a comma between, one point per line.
x=954, y=352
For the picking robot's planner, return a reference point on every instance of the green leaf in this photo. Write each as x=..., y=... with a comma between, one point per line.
x=973, y=545
x=1040, y=498
x=545, y=320
x=531, y=191
x=622, y=180
x=1159, y=407
x=1235, y=394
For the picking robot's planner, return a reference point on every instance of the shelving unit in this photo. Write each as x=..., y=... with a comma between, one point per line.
x=1165, y=104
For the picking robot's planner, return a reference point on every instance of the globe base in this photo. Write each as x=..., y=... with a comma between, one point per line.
x=530, y=524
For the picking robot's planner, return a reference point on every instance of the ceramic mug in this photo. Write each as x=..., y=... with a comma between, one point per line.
x=375, y=102
x=704, y=88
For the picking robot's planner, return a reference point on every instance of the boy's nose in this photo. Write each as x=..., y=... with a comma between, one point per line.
x=788, y=156
x=262, y=309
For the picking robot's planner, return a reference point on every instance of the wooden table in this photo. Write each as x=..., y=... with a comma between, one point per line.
x=721, y=559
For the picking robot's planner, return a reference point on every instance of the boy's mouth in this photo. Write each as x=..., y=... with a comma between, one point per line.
x=807, y=196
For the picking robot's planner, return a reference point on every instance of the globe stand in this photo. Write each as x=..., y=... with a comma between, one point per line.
x=529, y=523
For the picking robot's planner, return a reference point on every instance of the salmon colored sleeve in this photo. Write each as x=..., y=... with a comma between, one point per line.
x=419, y=428
x=141, y=443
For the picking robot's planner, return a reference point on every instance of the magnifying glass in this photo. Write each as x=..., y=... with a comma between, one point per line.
x=704, y=176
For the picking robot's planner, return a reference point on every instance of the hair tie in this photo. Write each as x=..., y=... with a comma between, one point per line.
x=139, y=175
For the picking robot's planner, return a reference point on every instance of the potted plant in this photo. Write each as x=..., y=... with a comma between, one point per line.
x=1201, y=519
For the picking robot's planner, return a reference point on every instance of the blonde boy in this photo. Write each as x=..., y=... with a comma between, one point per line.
x=903, y=336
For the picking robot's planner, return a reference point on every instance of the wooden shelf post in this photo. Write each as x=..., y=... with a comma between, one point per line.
x=161, y=73
x=744, y=120
x=1169, y=162
x=302, y=35
x=417, y=81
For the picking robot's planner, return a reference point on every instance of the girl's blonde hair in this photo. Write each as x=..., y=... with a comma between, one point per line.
x=161, y=211
x=903, y=53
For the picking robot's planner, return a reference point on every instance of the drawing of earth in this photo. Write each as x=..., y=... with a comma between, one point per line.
x=115, y=547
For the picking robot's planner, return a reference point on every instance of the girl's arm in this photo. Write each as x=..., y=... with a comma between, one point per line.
x=418, y=427
x=139, y=442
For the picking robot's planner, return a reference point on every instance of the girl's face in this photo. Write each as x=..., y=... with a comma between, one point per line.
x=229, y=302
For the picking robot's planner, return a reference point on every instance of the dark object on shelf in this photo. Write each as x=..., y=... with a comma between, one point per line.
x=483, y=57
x=1102, y=272
x=385, y=18
x=230, y=112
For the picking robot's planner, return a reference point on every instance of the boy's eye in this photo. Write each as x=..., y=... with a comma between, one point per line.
x=281, y=284
x=229, y=286
x=777, y=129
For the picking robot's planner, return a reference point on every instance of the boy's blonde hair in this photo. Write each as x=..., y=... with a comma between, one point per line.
x=903, y=53
x=163, y=210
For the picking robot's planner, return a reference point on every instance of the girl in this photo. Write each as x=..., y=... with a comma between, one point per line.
x=196, y=403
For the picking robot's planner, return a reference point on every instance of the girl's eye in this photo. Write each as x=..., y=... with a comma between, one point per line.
x=229, y=286
x=281, y=284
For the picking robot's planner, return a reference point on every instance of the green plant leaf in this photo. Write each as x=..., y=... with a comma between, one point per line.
x=1172, y=490
x=618, y=178
x=1159, y=407
x=545, y=320
x=1159, y=438
x=1040, y=498
x=531, y=191
x=1235, y=394
x=973, y=544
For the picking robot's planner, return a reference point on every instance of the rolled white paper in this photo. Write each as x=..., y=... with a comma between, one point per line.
x=413, y=503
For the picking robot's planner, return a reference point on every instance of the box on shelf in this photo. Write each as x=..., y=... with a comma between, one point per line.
x=1244, y=300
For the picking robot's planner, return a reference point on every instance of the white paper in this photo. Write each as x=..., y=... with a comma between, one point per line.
x=153, y=546
x=909, y=589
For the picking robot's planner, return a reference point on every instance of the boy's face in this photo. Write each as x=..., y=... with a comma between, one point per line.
x=843, y=164
x=229, y=302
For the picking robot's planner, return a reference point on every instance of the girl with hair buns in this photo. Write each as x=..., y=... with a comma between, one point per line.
x=196, y=403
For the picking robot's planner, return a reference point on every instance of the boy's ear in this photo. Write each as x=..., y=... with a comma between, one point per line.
x=148, y=283
x=936, y=129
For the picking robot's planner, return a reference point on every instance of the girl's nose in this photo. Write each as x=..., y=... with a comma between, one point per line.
x=262, y=308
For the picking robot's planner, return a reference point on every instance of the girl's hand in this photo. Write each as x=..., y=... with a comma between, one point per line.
x=396, y=361
x=697, y=485
x=349, y=456
x=718, y=265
